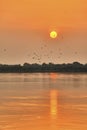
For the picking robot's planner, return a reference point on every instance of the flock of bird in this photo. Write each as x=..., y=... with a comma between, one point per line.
x=44, y=52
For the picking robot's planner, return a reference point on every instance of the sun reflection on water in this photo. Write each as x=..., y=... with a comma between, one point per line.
x=53, y=103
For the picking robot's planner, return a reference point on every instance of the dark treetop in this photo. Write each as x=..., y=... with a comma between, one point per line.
x=26, y=67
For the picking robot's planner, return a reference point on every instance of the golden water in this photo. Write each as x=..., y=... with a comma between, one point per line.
x=43, y=101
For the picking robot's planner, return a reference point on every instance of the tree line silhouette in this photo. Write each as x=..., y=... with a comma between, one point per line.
x=50, y=67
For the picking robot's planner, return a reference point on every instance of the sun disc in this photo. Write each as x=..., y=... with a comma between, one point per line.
x=53, y=34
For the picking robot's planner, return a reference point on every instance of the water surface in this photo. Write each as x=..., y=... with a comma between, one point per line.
x=43, y=101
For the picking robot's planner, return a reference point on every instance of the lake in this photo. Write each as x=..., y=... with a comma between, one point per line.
x=43, y=101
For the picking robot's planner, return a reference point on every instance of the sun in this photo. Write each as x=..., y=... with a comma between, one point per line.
x=53, y=34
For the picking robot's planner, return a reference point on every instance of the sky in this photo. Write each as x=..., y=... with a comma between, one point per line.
x=25, y=26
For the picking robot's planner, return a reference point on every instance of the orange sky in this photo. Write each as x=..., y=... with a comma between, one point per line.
x=23, y=22
x=43, y=14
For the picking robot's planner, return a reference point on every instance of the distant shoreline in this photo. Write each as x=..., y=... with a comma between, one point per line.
x=74, y=67
x=70, y=72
